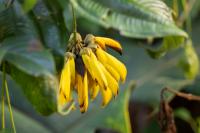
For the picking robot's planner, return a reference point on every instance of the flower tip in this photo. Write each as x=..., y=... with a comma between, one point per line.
x=118, y=49
x=104, y=104
x=120, y=52
x=83, y=111
x=74, y=108
x=123, y=81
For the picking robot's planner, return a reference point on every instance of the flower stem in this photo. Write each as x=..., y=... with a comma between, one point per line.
x=3, y=99
x=74, y=23
x=10, y=108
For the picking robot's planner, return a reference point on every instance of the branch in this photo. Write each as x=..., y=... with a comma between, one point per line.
x=187, y=96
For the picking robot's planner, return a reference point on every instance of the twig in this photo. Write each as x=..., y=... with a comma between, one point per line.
x=187, y=96
x=166, y=116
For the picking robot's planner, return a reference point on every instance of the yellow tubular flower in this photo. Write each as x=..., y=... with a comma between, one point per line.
x=106, y=58
x=85, y=93
x=65, y=81
x=93, y=87
x=120, y=67
x=82, y=87
x=89, y=68
x=112, y=71
x=94, y=92
x=106, y=96
x=103, y=42
x=112, y=83
x=92, y=66
x=72, y=70
x=61, y=98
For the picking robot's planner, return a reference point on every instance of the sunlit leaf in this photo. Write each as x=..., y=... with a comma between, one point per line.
x=30, y=57
x=168, y=44
x=29, y=4
x=51, y=26
x=30, y=64
x=189, y=61
x=39, y=90
x=139, y=19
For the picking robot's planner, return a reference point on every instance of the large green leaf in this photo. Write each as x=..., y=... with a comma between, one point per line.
x=30, y=64
x=136, y=18
x=50, y=25
x=169, y=43
x=7, y=17
x=2, y=53
x=40, y=90
x=29, y=56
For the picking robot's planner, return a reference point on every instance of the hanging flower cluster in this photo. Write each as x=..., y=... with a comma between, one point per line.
x=89, y=69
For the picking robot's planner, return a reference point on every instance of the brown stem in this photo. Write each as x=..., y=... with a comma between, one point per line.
x=187, y=96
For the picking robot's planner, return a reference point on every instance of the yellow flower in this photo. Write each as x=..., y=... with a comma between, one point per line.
x=89, y=69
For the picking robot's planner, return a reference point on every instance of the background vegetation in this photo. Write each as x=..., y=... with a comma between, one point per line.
x=160, y=49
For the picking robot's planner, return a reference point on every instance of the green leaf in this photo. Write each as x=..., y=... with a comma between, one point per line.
x=40, y=90
x=7, y=27
x=136, y=18
x=28, y=5
x=28, y=55
x=183, y=114
x=31, y=65
x=33, y=68
x=169, y=43
x=189, y=62
x=25, y=49
x=51, y=25
x=2, y=53
x=198, y=122
x=186, y=116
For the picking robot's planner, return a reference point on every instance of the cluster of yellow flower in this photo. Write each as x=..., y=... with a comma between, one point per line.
x=89, y=69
